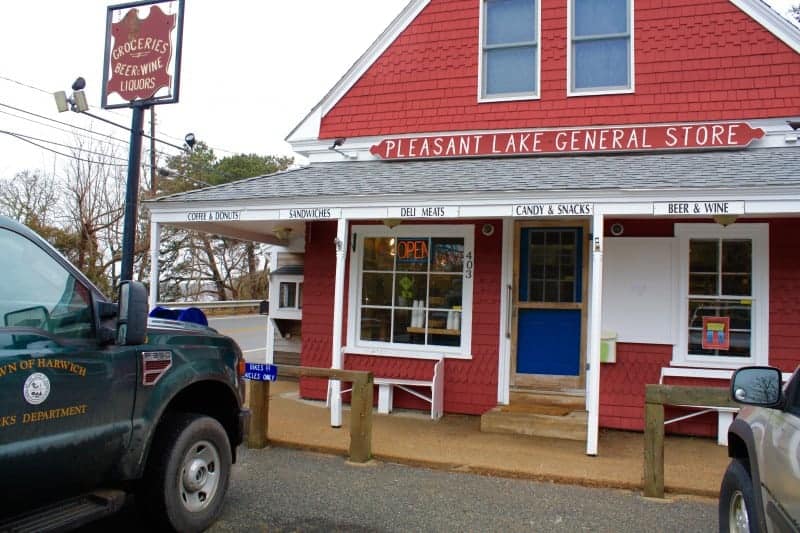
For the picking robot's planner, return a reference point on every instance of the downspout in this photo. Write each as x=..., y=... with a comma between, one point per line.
x=595, y=323
x=337, y=357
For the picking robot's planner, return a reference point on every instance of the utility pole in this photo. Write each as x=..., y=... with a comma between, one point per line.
x=153, y=173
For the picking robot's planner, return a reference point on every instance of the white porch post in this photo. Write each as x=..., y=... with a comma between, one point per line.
x=270, y=341
x=155, y=247
x=595, y=324
x=337, y=359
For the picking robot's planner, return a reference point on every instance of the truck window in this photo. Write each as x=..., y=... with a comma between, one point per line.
x=37, y=292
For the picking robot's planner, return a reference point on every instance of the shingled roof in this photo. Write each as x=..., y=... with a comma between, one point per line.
x=734, y=169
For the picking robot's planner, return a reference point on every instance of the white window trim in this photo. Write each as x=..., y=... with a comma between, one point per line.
x=759, y=319
x=357, y=346
x=274, y=296
x=510, y=97
x=632, y=59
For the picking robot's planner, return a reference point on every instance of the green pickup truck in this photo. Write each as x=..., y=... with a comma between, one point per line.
x=98, y=401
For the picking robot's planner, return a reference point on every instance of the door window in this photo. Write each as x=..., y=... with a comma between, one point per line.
x=42, y=295
x=553, y=257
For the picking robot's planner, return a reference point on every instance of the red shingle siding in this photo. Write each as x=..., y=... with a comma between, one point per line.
x=318, y=284
x=622, y=383
x=784, y=294
x=694, y=62
x=470, y=386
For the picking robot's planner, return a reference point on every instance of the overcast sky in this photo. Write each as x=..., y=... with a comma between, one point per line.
x=252, y=70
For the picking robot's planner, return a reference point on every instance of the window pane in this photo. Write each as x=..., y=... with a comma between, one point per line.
x=409, y=288
x=376, y=289
x=602, y=63
x=737, y=256
x=740, y=326
x=413, y=254
x=444, y=328
x=703, y=256
x=287, y=294
x=379, y=253
x=703, y=284
x=600, y=17
x=375, y=324
x=445, y=291
x=404, y=333
x=737, y=267
x=511, y=70
x=510, y=21
x=448, y=255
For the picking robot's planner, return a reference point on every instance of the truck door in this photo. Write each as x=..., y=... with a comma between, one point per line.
x=65, y=400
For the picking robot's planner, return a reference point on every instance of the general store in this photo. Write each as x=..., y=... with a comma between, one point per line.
x=527, y=210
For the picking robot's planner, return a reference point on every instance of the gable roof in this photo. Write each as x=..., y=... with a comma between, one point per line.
x=308, y=129
x=363, y=183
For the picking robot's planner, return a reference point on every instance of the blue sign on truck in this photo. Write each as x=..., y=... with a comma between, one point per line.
x=260, y=372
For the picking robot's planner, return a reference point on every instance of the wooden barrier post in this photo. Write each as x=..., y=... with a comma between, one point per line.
x=656, y=396
x=654, y=450
x=361, y=420
x=360, y=404
x=259, y=414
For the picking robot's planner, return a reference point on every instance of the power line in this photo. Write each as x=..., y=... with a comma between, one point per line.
x=80, y=128
x=72, y=147
x=21, y=138
x=104, y=138
x=115, y=113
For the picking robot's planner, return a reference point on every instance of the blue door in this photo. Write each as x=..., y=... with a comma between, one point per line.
x=549, y=304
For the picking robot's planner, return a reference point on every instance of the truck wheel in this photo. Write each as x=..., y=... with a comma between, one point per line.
x=737, y=512
x=187, y=474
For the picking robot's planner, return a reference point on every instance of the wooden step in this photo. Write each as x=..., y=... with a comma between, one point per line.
x=523, y=420
x=575, y=401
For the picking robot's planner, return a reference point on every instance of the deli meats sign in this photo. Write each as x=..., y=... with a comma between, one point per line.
x=566, y=141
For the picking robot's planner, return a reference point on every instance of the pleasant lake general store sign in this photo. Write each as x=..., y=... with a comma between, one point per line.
x=566, y=141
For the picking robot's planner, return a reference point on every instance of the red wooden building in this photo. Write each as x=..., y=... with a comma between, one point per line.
x=527, y=210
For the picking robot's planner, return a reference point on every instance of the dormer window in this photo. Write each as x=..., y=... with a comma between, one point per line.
x=601, y=46
x=509, y=50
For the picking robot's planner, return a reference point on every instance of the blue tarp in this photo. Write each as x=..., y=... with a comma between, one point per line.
x=189, y=314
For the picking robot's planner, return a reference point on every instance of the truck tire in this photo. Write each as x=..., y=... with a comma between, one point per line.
x=187, y=473
x=737, y=509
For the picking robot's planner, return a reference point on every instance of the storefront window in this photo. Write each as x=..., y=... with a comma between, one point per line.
x=725, y=286
x=412, y=285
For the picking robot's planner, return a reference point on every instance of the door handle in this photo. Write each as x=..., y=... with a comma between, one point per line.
x=510, y=310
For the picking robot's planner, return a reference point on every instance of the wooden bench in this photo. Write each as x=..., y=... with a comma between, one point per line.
x=724, y=414
x=435, y=385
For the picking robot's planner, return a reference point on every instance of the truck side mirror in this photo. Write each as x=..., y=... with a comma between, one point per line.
x=757, y=385
x=132, y=320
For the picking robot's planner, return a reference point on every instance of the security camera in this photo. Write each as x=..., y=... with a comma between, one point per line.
x=79, y=84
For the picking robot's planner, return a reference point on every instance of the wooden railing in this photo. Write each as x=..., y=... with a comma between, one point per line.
x=360, y=407
x=656, y=397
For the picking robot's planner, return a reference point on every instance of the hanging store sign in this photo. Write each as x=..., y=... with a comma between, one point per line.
x=142, y=61
x=566, y=141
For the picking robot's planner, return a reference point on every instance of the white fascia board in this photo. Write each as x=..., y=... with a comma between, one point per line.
x=772, y=21
x=305, y=130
